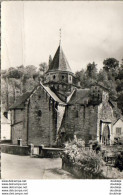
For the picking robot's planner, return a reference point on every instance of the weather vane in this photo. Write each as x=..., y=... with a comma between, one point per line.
x=59, y=36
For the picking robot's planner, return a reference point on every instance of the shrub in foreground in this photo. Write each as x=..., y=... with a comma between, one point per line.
x=88, y=161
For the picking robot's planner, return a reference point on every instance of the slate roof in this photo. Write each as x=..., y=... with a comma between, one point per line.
x=19, y=104
x=80, y=96
x=52, y=94
x=59, y=61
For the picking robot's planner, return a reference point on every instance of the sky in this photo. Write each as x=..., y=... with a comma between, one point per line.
x=90, y=31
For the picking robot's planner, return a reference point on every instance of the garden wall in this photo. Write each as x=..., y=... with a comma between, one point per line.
x=49, y=152
x=14, y=149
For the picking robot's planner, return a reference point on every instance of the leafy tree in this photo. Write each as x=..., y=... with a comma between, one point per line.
x=120, y=101
x=110, y=63
x=91, y=71
x=80, y=75
x=43, y=67
x=30, y=70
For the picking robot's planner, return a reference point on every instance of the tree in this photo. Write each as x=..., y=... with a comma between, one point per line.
x=13, y=73
x=43, y=68
x=80, y=75
x=91, y=71
x=102, y=76
x=110, y=63
x=30, y=70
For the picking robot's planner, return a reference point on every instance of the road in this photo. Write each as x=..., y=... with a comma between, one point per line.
x=25, y=167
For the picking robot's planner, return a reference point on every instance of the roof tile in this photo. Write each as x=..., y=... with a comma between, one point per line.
x=59, y=61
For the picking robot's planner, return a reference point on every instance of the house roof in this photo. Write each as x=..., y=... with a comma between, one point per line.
x=19, y=104
x=118, y=120
x=59, y=61
x=80, y=96
x=52, y=94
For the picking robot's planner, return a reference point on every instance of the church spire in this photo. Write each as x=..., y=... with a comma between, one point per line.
x=60, y=36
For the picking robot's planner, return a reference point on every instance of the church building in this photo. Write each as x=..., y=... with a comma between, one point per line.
x=59, y=108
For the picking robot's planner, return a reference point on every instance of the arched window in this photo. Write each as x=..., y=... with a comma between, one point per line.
x=76, y=114
x=54, y=76
x=62, y=76
x=39, y=113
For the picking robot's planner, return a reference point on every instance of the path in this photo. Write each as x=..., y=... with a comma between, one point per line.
x=24, y=167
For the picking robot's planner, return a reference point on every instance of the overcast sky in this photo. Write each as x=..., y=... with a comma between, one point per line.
x=91, y=31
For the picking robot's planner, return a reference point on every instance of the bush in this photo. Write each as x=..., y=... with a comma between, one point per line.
x=76, y=153
x=118, y=141
x=95, y=145
x=119, y=161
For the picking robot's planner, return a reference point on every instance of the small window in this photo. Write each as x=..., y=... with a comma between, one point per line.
x=76, y=114
x=118, y=131
x=62, y=76
x=54, y=76
x=39, y=97
x=39, y=113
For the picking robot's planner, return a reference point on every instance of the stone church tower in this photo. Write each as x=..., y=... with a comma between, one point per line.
x=59, y=76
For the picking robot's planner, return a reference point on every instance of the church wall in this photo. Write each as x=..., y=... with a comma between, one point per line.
x=36, y=123
x=81, y=121
x=17, y=132
x=18, y=127
x=18, y=115
x=42, y=119
x=105, y=116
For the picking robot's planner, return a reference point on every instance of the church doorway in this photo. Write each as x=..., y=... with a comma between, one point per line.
x=106, y=135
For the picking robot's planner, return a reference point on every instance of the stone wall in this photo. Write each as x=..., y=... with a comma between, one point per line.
x=80, y=120
x=84, y=120
x=14, y=149
x=105, y=116
x=41, y=119
x=37, y=122
x=18, y=116
x=18, y=127
x=17, y=132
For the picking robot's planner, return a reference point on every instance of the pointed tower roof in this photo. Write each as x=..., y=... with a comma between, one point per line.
x=59, y=61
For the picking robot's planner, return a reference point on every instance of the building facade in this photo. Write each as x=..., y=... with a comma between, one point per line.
x=58, y=109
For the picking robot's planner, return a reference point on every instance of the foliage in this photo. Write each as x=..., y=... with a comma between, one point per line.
x=111, y=76
x=43, y=67
x=95, y=145
x=119, y=161
x=110, y=63
x=88, y=160
x=22, y=79
x=118, y=140
x=91, y=71
x=16, y=81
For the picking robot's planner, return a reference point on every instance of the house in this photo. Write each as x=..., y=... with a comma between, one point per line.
x=5, y=128
x=58, y=109
x=118, y=128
